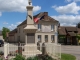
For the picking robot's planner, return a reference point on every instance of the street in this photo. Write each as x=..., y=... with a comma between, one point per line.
x=74, y=50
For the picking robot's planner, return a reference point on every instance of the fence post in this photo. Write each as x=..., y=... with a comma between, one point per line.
x=19, y=48
x=38, y=46
x=5, y=51
x=8, y=48
x=43, y=49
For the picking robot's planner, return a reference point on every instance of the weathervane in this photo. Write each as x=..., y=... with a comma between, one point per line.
x=29, y=2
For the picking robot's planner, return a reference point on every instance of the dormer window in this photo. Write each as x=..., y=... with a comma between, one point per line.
x=52, y=27
x=39, y=26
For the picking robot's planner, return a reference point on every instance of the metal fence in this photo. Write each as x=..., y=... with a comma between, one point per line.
x=11, y=50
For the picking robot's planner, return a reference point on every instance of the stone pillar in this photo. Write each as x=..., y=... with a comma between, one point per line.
x=56, y=34
x=30, y=30
x=25, y=38
x=49, y=38
x=42, y=39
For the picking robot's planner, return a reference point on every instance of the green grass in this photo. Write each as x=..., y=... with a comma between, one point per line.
x=67, y=57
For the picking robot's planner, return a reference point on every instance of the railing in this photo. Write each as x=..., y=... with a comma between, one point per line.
x=54, y=50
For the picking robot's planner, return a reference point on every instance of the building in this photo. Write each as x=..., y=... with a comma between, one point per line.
x=47, y=30
x=68, y=35
x=1, y=36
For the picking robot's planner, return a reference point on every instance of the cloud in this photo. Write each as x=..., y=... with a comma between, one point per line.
x=36, y=8
x=70, y=8
x=72, y=0
x=12, y=26
x=0, y=14
x=68, y=0
x=15, y=6
x=5, y=22
x=0, y=28
x=67, y=20
x=18, y=23
x=54, y=6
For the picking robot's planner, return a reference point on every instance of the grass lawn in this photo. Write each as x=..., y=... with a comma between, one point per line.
x=67, y=57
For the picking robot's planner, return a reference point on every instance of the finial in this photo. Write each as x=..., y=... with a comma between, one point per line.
x=29, y=2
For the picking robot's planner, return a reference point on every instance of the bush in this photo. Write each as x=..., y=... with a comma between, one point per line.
x=19, y=57
x=40, y=57
x=1, y=53
x=1, y=58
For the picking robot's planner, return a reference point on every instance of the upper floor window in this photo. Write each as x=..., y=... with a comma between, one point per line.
x=46, y=38
x=52, y=27
x=52, y=38
x=19, y=30
x=39, y=38
x=39, y=26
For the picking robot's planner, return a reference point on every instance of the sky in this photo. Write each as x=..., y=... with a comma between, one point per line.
x=13, y=12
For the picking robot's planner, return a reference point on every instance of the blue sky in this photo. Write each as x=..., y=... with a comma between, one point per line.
x=13, y=12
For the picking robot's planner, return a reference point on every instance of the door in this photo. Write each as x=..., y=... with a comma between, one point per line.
x=30, y=37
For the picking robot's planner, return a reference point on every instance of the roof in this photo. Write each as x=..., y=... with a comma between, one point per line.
x=13, y=31
x=46, y=18
x=62, y=31
x=0, y=32
x=78, y=31
x=72, y=33
x=70, y=29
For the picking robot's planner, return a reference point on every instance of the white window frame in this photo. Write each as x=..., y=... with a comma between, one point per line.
x=52, y=38
x=46, y=38
x=52, y=27
x=39, y=27
x=39, y=38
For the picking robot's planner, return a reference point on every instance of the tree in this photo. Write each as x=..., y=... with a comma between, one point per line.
x=4, y=32
x=78, y=25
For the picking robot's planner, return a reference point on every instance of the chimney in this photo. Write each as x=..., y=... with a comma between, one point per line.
x=46, y=15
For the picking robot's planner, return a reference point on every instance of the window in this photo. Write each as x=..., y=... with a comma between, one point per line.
x=19, y=30
x=39, y=38
x=46, y=38
x=18, y=38
x=39, y=26
x=52, y=27
x=52, y=38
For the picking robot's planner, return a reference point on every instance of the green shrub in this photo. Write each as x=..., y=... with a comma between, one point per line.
x=1, y=53
x=19, y=57
x=1, y=58
x=40, y=57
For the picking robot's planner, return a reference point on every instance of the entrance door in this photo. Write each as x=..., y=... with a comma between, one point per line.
x=30, y=37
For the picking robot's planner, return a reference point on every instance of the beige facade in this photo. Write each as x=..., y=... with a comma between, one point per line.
x=45, y=29
x=1, y=38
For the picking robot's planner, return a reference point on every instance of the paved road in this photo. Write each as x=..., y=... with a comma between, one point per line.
x=74, y=50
